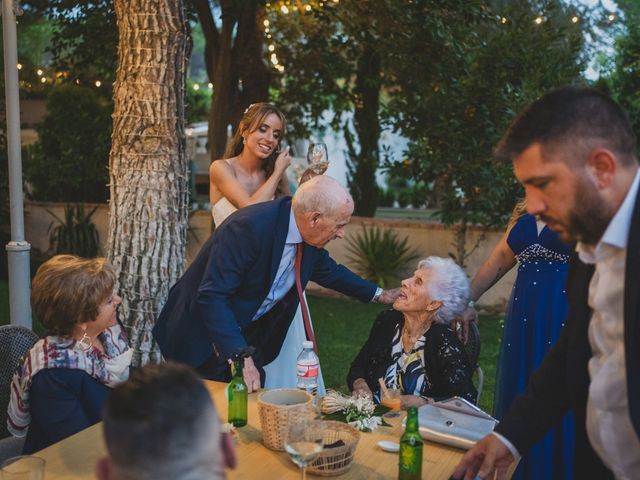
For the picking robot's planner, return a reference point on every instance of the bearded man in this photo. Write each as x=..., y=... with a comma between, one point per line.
x=574, y=152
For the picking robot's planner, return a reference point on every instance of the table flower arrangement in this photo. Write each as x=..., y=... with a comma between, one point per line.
x=358, y=411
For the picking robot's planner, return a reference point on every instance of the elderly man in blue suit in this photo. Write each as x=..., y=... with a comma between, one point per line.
x=241, y=289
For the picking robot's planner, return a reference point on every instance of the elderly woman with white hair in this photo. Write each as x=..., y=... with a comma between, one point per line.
x=412, y=346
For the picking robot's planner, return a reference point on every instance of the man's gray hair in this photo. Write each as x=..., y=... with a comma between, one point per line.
x=449, y=285
x=161, y=424
x=322, y=194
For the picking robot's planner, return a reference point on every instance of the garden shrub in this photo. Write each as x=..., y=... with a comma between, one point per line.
x=70, y=161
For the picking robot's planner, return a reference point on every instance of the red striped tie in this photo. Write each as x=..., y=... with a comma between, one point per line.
x=303, y=303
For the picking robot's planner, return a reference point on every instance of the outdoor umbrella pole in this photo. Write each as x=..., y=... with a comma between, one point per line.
x=18, y=248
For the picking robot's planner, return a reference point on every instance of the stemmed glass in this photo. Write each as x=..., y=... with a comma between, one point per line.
x=304, y=440
x=317, y=157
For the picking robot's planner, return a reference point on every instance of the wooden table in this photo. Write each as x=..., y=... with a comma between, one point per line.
x=74, y=458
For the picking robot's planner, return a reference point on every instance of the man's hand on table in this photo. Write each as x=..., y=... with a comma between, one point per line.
x=251, y=375
x=487, y=458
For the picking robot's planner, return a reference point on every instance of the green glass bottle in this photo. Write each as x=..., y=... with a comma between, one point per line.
x=237, y=395
x=410, y=461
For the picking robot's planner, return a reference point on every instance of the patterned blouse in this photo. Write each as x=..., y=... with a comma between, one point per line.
x=437, y=366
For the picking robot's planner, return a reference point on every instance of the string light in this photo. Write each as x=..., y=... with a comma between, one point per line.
x=210, y=85
x=19, y=66
x=98, y=83
x=539, y=20
x=503, y=20
x=196, y=86
x=272, y=47
x=39, y=72
x=284, y=9
x=266, y=23
x=307, y=8
x=43, y=80
x=574, y=19
x=611, y=17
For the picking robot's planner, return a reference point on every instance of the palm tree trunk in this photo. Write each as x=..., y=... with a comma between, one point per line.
x=147, y=163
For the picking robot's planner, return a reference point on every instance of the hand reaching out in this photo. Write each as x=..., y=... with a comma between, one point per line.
x=460, y=324
x=389, y=296
x=488, y=459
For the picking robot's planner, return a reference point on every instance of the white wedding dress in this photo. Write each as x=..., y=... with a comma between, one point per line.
x=281, y=373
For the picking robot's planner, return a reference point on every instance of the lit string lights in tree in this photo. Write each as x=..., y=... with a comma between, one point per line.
x=286, y=7
x=301, y=7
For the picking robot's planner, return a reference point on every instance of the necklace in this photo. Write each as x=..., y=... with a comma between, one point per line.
x=412, y=338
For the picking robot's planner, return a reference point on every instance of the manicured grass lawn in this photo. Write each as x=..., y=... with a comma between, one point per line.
x=342, y=326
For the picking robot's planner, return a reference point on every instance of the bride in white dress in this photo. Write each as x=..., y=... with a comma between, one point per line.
x=253, y=171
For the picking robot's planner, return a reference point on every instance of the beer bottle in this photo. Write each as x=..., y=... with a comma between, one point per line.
x=237, y=394
x=410, y=461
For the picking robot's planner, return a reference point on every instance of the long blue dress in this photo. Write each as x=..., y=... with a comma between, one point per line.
x=535, y=315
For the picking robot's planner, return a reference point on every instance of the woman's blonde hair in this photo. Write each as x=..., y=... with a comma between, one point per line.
x=253, y=117
x=519, y=210
x=68, y=290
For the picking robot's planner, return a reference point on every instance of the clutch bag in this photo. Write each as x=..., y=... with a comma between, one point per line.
x=455, y=422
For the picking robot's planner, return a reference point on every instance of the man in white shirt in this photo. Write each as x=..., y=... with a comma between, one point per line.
x=575, y=153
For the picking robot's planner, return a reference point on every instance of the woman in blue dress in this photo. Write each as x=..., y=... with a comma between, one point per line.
x=534, y=318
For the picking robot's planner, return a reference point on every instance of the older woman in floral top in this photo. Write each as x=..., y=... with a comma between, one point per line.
x=63, y=381
x=412, y=346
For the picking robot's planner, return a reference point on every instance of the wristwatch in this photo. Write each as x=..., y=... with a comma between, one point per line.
x=377, y=295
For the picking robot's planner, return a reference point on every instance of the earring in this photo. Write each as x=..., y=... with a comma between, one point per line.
x=85, y=343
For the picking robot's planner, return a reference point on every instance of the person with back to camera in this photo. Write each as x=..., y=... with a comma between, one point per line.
x=62, y=384
x=412, y=346
x=162, y=425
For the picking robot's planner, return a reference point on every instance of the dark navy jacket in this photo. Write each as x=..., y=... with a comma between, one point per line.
x=210, y=309
x=62, y=401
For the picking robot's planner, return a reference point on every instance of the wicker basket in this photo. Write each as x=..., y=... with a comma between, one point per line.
x=337, y=460
x=276, y=408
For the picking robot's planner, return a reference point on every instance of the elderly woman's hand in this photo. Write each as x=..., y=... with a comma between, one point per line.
x=407, y=401
x=360, y=388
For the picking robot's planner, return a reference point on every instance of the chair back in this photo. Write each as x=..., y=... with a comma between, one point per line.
x=15, y=341
x=472, y=348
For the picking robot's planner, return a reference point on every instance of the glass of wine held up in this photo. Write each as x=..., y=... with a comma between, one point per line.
x=304, y=440
x=317, y=158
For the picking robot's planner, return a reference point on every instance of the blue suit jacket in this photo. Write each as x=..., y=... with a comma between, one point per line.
x=212, y=305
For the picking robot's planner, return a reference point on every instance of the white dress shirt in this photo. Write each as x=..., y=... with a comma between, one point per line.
x=609, y=426
x=286, y=275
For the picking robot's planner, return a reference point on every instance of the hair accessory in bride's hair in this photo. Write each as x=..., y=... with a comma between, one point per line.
x=248, y=108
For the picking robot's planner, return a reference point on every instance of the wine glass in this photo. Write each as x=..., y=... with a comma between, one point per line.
x=317, y=157
x=304, y=440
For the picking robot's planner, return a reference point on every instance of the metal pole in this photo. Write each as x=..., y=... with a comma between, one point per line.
x=17, y=248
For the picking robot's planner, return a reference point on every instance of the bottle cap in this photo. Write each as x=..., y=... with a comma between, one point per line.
x=307, y=344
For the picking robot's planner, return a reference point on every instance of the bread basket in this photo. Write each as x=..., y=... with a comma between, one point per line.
x=276, y=409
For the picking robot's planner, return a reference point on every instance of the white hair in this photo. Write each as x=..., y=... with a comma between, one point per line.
x=449, y=285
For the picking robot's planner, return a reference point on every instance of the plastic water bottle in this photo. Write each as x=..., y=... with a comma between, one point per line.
x=307, y=367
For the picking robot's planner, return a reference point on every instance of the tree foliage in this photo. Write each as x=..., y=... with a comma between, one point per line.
x=234, y=60
x=70, y=162
x=625, y=80
x=459, y=79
